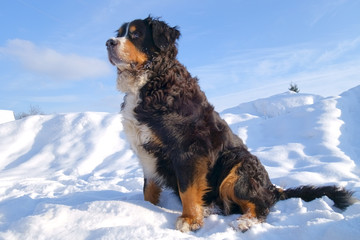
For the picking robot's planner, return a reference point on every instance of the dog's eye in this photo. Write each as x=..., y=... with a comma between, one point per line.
x=134, y=35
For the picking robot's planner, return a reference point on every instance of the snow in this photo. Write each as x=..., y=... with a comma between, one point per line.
x=6, y=116
x=73, y=176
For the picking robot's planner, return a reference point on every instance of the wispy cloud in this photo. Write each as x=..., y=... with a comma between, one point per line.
x=54, y=99
x=278, y=62
x=56, y=65
x=327, y=7
x=326, y=69
x=253, y=66
x=329, y=80
x=341, y=49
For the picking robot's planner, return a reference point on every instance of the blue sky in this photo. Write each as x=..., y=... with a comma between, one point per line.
x=53, y=55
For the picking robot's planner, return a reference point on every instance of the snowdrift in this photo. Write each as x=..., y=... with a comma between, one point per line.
x=73, y=176
x=6, y=116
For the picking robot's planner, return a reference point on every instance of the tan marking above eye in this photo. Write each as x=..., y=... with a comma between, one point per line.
x=132, y=29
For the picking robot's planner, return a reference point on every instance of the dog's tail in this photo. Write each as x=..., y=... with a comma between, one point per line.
x=341, y=197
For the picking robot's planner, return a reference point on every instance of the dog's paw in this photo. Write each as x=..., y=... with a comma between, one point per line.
x=188, y=224
x=243, y=223
x=211, y=209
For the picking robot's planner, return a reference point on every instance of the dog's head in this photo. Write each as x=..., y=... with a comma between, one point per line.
x=138, y=42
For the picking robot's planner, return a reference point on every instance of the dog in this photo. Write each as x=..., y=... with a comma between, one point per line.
x=181, y=141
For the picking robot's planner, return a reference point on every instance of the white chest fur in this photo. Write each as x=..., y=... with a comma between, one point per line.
x=137, y=135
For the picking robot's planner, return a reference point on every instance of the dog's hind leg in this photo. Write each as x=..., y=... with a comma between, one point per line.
x=250, y=211
x=249, y=217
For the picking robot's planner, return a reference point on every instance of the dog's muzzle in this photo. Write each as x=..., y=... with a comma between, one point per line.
x=111, y=43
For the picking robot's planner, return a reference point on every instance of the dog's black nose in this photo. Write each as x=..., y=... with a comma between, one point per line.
x=111, y=42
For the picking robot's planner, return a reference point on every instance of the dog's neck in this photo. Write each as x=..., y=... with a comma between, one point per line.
x=131, y=78
x=131, y=82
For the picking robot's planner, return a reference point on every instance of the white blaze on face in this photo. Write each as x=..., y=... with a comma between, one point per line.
x=123, y=40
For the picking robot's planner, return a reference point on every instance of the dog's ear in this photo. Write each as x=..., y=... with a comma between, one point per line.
x=164, y=36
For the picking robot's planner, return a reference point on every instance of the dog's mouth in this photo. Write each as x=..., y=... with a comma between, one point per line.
x=113, y=54
x=114, y=59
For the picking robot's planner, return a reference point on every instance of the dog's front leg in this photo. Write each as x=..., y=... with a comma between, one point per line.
x=192, y=188
x=152, y=191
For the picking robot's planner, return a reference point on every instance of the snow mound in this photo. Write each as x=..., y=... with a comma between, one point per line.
x=275, y=105
x=6, y=116
x=73, y=176
x=349, y=103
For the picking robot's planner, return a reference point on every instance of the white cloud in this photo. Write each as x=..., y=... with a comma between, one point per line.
x=329, y=80
x=341, y=49
x=259, y=65
x=46, y=61
x=325, y=8
x=326, y=69
x=281, y=60
x=254, y=66
x=54, y=99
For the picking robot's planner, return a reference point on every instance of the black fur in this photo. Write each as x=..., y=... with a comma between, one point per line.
x=341, y=197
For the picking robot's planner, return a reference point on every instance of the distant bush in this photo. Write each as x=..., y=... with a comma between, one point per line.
x=33, y=110
x=294, y=88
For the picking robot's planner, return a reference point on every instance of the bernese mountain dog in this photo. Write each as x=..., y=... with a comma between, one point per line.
x=181, y=141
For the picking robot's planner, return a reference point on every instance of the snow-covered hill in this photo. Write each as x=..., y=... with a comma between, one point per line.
x=6, y=116
x=73, y=176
